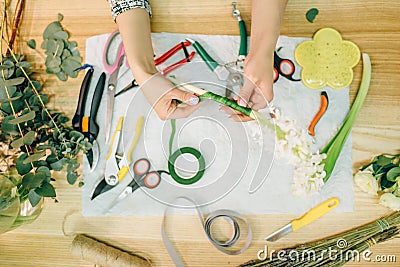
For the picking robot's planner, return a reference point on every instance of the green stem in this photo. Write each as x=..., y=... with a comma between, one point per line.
x=334, y=147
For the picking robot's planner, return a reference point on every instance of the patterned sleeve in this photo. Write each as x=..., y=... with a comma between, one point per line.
x=120, y=6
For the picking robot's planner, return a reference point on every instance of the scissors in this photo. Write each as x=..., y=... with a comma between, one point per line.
x=117, y=165
x=283, y=67
x=142, y=177
x=112, y=64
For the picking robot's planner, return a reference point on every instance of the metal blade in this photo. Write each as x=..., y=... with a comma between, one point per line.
x=110, y=110
x=281, y=232
x=95, y=154
x=89, y=156
x=101, y=188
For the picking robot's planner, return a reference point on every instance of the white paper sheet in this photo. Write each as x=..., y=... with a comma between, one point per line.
x=210, y=130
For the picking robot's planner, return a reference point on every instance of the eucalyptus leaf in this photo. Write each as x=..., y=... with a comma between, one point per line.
x=61, y=35
x=34, y=198
x=31, y=43
x=46, y=190
x=24, y=64
x=27, y=139
x=51, y=29
x=45, y=170
x=35, y=157
x=36, y=85
x=23, y=168
x=75, y=52
x=76, y=58
x=4, y=100
x=58, y=165
x=24, y=118
x=51, y=47
x=6, y=65
x=7, y=127
x=8, y=72
x=71, y=177
x=66, y=53
x=32, y=180
x=9, y=91
x=72, y=45
x=62, y=76
x=44, y=44
x=69, y=66
x=53, y=62
x=60, y=17
x=393, y=174
x=11, y=82
x=17, y=105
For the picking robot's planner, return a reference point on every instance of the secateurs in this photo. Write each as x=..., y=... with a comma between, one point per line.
x=87, y=124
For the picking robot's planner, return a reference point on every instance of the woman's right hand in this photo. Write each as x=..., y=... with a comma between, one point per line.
x=165, y=98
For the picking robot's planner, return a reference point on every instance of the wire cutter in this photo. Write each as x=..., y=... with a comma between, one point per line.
x=117, y=165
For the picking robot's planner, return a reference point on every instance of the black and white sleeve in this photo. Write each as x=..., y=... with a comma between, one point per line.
x=120, y=6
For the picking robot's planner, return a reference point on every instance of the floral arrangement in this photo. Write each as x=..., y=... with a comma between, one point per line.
x=381, y=177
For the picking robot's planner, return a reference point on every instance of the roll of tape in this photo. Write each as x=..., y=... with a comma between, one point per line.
x=171, y=165
x=230, y=216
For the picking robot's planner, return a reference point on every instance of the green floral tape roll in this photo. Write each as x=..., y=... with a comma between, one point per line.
x=175, y=156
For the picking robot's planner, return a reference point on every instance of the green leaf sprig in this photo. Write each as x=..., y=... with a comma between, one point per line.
x=45, y=143
x=63, y=56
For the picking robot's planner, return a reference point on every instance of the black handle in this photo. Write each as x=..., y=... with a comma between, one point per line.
x=83, y=93
x=97, y=95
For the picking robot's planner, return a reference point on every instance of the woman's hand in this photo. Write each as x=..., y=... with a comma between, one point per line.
x=164, y=98
x=257, y=91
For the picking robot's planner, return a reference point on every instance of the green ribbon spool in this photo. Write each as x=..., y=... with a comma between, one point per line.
x=184, y=150
x=175, y=156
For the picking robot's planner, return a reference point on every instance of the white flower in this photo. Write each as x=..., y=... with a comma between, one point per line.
x=366, y=181
x=391, y=201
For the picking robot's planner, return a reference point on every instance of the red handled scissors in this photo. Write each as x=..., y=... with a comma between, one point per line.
x=283, y=67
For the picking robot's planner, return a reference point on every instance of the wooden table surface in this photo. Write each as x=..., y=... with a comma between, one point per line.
x=373, y=25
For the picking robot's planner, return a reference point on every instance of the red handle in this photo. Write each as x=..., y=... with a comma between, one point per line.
x=171, y=52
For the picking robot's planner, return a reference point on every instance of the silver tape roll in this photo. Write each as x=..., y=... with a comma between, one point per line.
x=232, y=217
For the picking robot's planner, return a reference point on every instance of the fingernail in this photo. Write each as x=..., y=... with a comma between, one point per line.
x=194, y=100
x=242, y=102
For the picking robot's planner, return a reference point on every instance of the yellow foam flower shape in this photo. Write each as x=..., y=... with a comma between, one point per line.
x=327, y=60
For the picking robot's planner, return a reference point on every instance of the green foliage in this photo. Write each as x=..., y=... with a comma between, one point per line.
x=386, y=169
x=46, y=143
x=63, y=57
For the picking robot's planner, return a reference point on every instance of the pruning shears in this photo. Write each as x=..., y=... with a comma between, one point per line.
x=87, y=125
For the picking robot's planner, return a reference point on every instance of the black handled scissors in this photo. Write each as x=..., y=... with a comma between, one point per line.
x=283, y=67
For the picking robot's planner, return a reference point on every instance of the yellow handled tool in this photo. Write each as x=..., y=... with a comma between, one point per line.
x=304, y=220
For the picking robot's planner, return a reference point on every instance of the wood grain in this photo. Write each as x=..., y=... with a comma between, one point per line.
x=373, y=25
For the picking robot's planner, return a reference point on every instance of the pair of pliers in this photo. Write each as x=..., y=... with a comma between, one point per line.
x=117, y=165
x=231, y=72
x=87, y=125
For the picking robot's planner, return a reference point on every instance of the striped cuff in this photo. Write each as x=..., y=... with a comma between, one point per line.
x=120, y=6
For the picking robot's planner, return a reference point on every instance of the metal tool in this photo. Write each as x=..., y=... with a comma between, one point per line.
x=234, y=79
x=320, y=113
x=283, y=67
x=83, y=93
x=306, y=219
x=143, y=177
x=90, y=128
x=113, y=56
x=117, y=165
